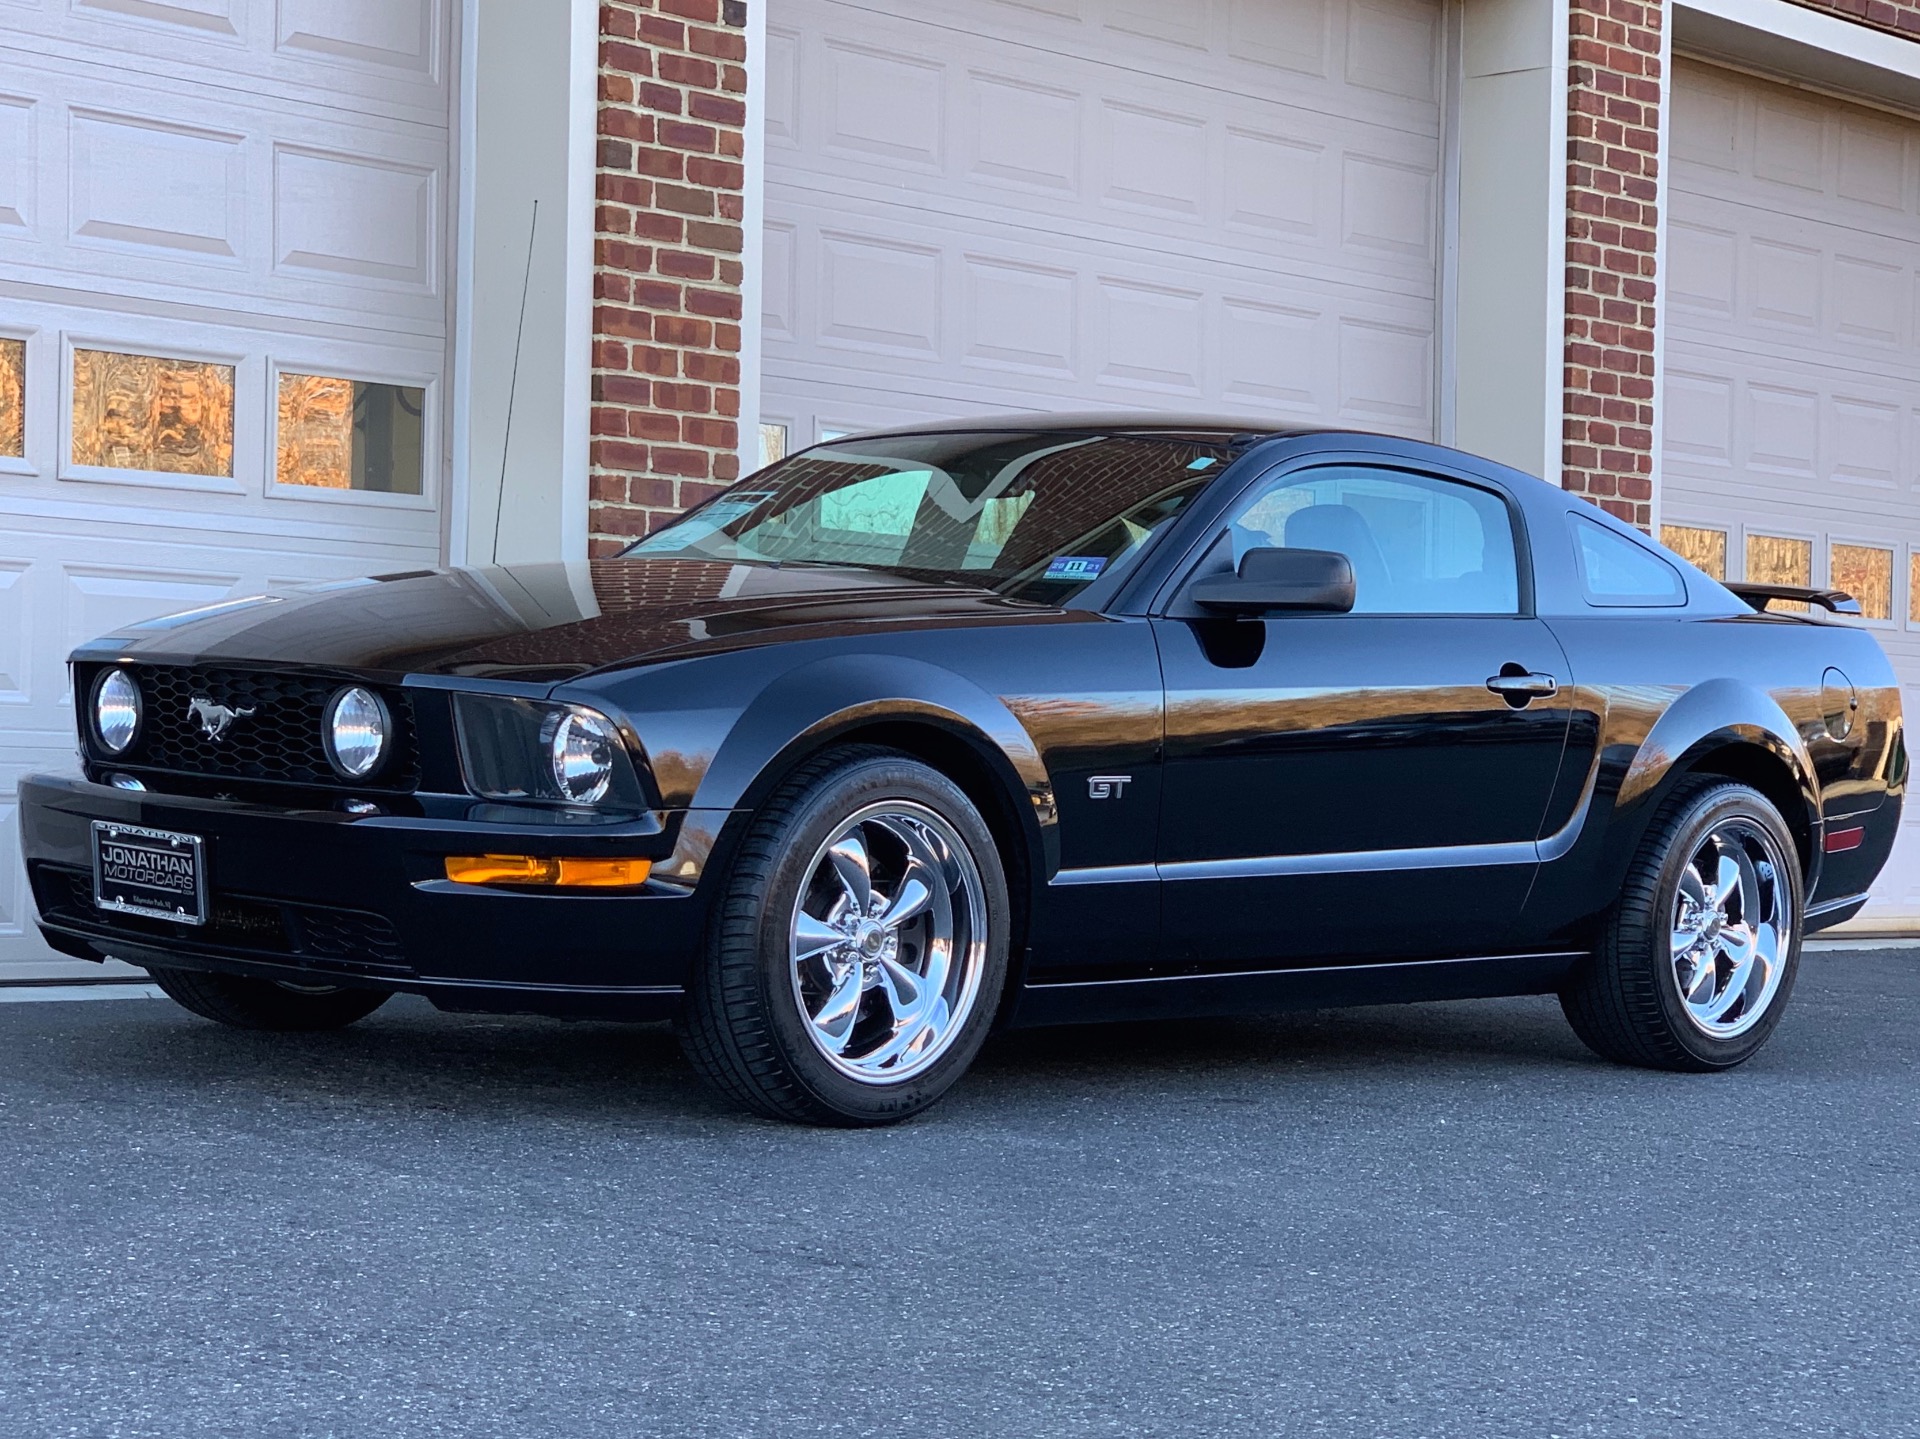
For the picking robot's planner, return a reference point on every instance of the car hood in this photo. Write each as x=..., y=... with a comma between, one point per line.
x=545, y=623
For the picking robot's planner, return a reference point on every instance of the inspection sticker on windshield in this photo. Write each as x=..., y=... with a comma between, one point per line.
x=1076, y=567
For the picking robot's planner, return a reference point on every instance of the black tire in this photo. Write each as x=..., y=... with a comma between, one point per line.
x=1625, y=1000
x=743, y=1026
x=244, y=1003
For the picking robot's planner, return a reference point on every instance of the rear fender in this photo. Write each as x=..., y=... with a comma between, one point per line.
x=1698, y=733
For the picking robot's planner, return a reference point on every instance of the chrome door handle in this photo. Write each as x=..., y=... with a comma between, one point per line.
x=1523, y=687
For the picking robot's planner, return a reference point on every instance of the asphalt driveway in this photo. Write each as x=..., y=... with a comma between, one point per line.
x=1431, y=1220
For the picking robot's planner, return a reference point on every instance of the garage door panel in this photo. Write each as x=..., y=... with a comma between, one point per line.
x=1096, y=205
x=924, y=305
x=1791, y=365
x=1771, y=417
x=1767, y=146
x=1149, y=156
x=386, y=57
x=163, y=193
x=1750, y=275
x=1315, y=51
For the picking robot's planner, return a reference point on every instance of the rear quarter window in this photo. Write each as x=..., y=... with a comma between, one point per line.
x=1617, y=573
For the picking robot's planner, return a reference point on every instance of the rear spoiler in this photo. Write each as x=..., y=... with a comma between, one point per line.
x=1838, y=602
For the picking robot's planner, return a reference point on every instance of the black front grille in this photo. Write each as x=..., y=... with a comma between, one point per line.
x=275, y=733
x=345, y=941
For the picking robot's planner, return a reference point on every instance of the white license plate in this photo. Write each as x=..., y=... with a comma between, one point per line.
x=150, y=872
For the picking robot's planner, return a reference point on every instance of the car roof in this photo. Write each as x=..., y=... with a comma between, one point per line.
x=1133, y=422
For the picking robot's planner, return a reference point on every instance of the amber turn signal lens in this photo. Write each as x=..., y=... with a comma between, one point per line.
x=552, y=873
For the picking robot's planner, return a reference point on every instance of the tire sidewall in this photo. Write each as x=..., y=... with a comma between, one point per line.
x=1712, y=808
x=812, y=822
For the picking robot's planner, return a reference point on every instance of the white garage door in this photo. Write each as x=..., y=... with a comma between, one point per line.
x=1792, y=447
x=990, y=205
x=223, y=325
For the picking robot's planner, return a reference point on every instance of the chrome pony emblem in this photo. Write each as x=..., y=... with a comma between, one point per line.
x=1108, y=786
x=214, y=719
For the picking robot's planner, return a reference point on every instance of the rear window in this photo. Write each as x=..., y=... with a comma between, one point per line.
x=1618, y=572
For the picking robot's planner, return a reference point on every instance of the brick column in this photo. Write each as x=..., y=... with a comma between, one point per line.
x=666, y=320
x=1615, y=91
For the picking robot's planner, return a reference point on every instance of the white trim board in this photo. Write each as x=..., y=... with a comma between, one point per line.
x=1660, y=253
x=1511, y=271
x=1792, y=43
x=529, y=114
x=753, y=219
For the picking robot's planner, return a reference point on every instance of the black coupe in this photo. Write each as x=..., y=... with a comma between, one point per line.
x=1014, y=722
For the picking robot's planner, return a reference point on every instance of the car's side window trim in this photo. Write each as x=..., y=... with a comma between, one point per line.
x=1200, y=547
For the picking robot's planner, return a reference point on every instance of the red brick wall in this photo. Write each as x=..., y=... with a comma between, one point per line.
x=1880, y=14
x=666, y=323
x=1615, y=91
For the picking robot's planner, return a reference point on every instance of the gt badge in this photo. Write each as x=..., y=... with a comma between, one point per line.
x=1108, y=786
x=214, y=719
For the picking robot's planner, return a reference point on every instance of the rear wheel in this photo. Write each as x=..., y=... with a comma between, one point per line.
x=245, y=1003
x=859, y=949
x=1699, y=953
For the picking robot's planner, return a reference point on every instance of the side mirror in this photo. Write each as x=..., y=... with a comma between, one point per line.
x=1277, y=579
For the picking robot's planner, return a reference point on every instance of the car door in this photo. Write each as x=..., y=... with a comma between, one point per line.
x=1346, y=787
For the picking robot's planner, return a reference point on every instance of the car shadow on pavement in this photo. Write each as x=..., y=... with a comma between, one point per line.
x=408, y=1057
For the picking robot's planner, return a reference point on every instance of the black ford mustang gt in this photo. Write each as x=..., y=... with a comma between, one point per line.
x=1020, y=722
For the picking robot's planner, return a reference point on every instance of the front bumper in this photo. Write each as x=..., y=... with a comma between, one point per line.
x=323, y=896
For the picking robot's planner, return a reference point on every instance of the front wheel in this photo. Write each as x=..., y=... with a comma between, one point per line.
x=859, y=948
x=244, y=1003
x=1699, y=953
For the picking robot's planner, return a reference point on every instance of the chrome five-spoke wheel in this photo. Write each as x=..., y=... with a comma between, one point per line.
x=1695, y=961
x=860, y=949
x=888, y=942
x=1732, y=925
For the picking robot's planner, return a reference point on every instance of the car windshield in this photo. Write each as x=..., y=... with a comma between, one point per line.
x=1038, y=517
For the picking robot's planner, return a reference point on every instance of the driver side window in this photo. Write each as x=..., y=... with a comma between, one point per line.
x=1418, y=545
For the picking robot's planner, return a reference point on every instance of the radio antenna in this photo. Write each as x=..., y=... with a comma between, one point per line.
x=513, y=385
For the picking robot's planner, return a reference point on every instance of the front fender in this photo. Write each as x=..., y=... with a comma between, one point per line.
x=810, y=706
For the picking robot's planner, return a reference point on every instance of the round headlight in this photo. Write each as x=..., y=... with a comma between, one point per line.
x=116, y=711
x=582, y=748
x=357, y=728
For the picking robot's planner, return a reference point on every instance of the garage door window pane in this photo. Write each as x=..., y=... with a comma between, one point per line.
x=13, y=398
x=338, y=434
x=147, y=412
x=1704, y=549
x=1776, y=560
x=1866, y=573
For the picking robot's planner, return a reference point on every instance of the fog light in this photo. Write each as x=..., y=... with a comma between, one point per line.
x=529, y=869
